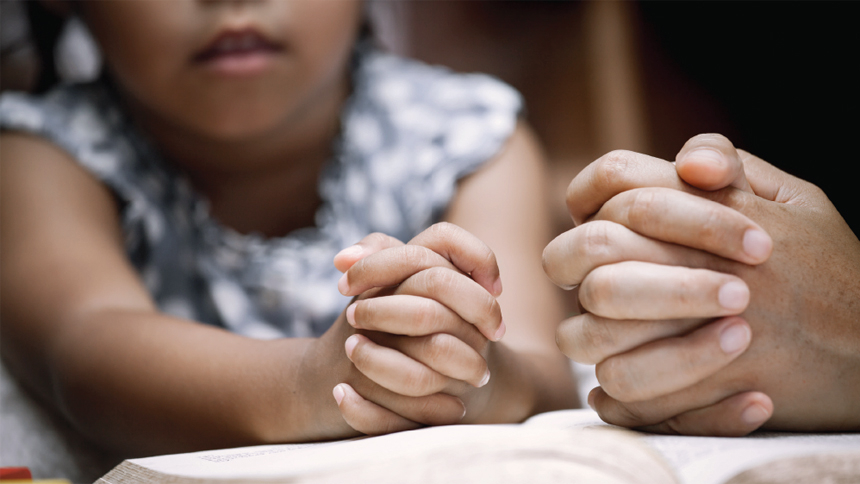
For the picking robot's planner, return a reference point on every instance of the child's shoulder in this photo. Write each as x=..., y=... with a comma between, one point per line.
x=66, y=110
x=85, y=121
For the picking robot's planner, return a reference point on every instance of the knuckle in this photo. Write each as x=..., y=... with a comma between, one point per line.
x=415, y=256
x=614, y=378
x=596, y=241
x=691, y=285
x=814, y=190
x=630, y=415
x=674, y=426
x=741, y=202
x=439, y=347
x=713, y=224
x=644, y=204
x=596, y=340
x=428, y=410
x=575, y=340
x=442, y=278
x=730, y=197
x=428, y=317
x=418, y=382
x=619, y=413
x=376, y=239
x=431, y=281
x=597, y=290
x=614, y=167
x=442, y=229
x=437, y=409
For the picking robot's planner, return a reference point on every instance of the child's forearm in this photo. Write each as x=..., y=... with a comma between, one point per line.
x=144, y=383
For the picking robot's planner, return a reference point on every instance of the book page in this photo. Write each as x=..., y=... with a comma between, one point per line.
x=715, y=460
x=460, y=453
x=551, y=447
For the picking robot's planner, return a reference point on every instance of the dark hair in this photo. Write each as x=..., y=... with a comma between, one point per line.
x=45, y=29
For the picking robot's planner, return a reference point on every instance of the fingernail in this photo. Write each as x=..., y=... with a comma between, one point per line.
x=709, y=156
x=591, y=400
x=338, y=393
x=352, y=251
x=485, y=380
x=343, y=284
x=350, y=314
x=350, y=345
x=734, y=338
x=500, y=332
x=757, y=244
x=497, y=287
x=755, y=414
x=734, y=296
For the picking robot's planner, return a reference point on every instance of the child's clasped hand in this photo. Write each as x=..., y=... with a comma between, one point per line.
x=418, y=336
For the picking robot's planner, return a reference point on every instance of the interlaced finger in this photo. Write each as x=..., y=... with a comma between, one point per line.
x=589, y=339
x=389, y=267
x=671, y=364
x=392, y=369
x=460, y=294
x=641, y=290
x=575, y=253
x=689, y=220
x=465, y=251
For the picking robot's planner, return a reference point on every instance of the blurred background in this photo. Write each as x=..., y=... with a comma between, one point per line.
x=777, y=78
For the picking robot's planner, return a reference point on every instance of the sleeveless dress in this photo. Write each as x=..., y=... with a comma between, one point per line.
x=409, y=132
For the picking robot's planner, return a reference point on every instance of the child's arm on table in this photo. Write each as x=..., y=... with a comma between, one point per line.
x=81, y=330
x=504, y=204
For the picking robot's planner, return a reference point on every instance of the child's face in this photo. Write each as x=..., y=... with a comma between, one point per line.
x=226, y=69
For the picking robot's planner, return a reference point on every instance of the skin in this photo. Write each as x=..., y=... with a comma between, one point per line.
x=80, y=329
x=652, y=258
x=205, y=122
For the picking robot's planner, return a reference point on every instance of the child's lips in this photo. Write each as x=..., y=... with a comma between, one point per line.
x=240, y=52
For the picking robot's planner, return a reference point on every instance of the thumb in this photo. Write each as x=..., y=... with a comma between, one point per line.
x=711, y=162
x=371, y=244
x=771, y=183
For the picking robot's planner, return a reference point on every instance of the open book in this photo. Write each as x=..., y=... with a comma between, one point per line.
x=565, y=446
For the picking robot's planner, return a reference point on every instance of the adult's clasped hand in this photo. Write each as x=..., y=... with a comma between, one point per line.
x=719, y=294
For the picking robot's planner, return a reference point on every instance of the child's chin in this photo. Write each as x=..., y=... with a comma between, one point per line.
x=237, y=128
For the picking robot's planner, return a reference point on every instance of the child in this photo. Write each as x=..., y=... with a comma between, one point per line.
x=230, y=150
